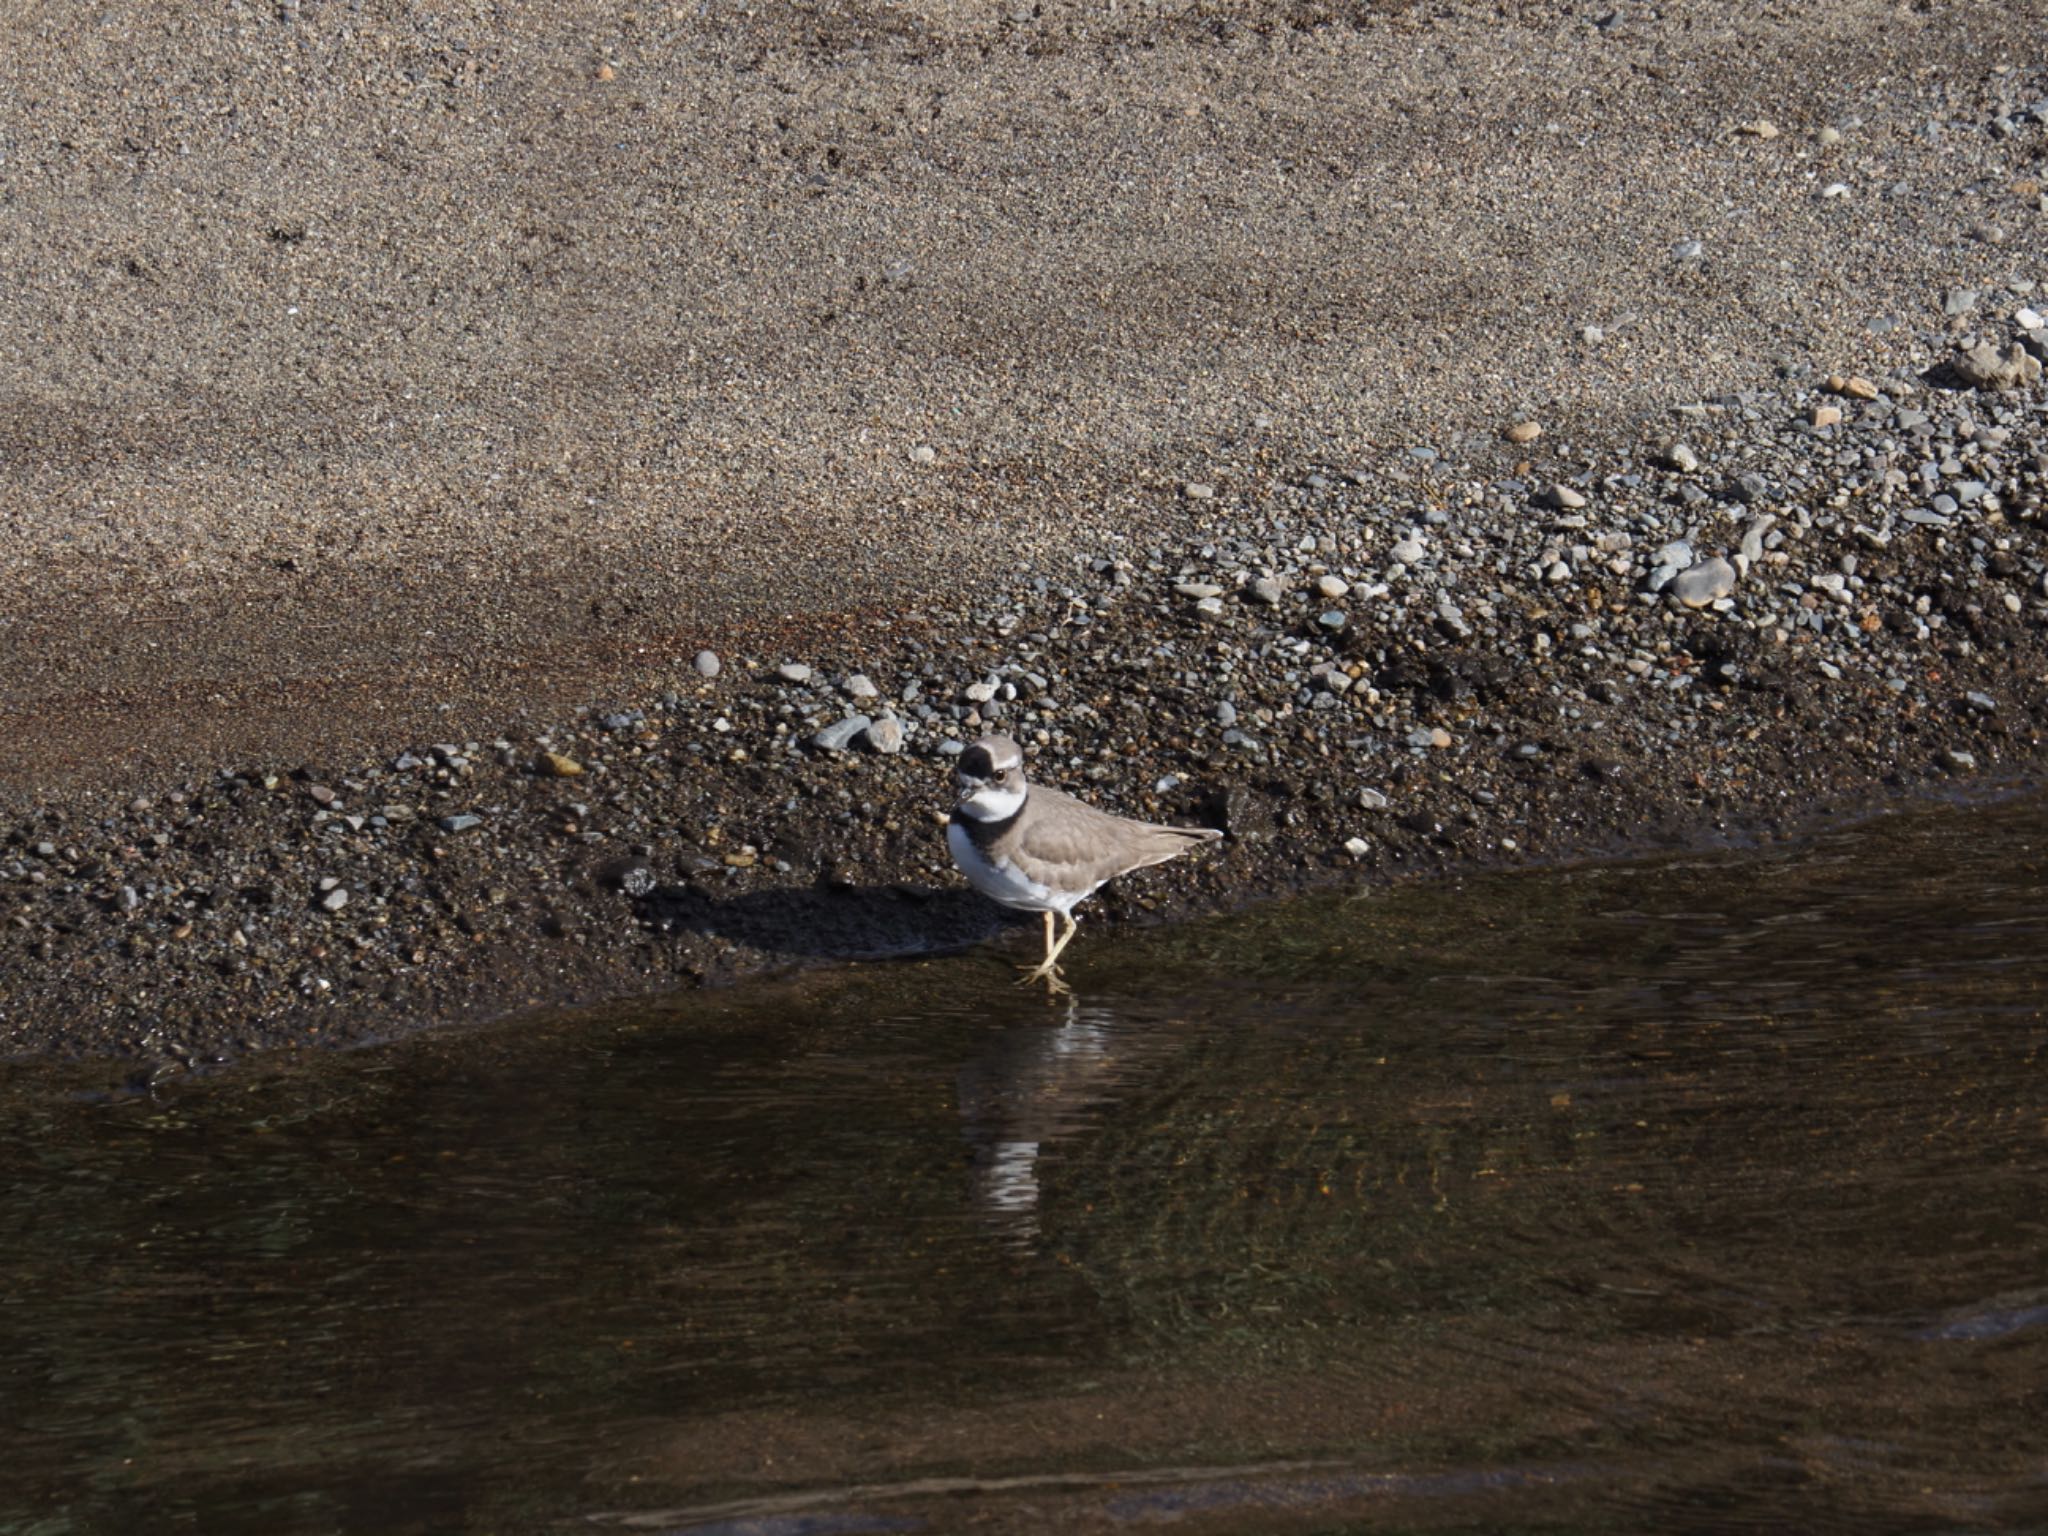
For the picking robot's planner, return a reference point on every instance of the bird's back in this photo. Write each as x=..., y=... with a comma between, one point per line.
x=1081, y=846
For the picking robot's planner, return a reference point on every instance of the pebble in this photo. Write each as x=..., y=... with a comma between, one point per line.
x=335, y=899
x=1985, y=367
x=1677, y=554
x=1357, y=847
x=461, y=822
x=1226, y=713
x=1524, y=432
x=1704, y=583
x=885, y=735
x=839, y=736
x=555, y=765
x=1371, y=800
x=1266, y=591
x=794, y=672
x=1198, y=589
x=1333, y=619
x=861, y=686
x=1853, y=386
x=1679, y=456
x=1332, y=587
x=1565, y=498
x=1408, y=552
x=1826, y=416
x=1197, y=490
x=924, y=453
x=706, y=664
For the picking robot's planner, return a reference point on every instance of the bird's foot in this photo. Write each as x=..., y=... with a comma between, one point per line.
x=1047, y=972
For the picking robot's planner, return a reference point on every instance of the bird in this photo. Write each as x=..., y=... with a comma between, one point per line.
x=1036, y=850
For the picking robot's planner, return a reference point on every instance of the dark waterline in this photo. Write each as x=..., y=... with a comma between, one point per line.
x=1702, y=1194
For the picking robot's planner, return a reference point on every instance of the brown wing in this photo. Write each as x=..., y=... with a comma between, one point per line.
x=1073, y=845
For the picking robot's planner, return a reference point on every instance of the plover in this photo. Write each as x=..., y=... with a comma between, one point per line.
x=1038, y=850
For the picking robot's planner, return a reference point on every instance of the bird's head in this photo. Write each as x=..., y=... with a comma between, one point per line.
x=990, y=777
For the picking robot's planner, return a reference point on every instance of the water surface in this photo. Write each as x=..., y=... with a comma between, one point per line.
x=1701, y=1194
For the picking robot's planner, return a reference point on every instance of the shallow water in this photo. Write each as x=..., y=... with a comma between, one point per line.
x=1702, y=1194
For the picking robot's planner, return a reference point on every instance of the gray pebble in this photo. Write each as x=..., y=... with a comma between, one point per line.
x=839, y=736
x=1707, y=582
x=707, y=664
x=885, y=735
x=861, y=686
x=459, y=823
x=1266, y=591
x=793, y=672
x=335, y=899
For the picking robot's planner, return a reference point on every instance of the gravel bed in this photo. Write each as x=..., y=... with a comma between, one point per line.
x=1809, y=594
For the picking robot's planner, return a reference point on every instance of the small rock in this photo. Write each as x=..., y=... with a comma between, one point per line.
x=1198, y=589
x=1524, y=432
x=1678, y=553
x=861, y=686
x=1707, y=582
x=461, y=822
x=1409, y=552
x=793, y=672
x=555, y=765
x=1958, y=301
x=1761, y=128
x=1371, y=800
x=1985, y=367
x=1197, y=490
x=1853, y=387
x=1565, y=498
x=1266, y=591
x=1226, y=714
x=1679, y=456
x=1687, y=251
x=885, y=735
x=1333, y=619
x=840, y=735
x=335, y=899
x=1983, y=703
x=924, y=453
x=1826, y=416
x=1357, y=847
x=706, y=664
x=1332, y=587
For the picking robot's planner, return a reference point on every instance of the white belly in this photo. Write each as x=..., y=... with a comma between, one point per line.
x=1001, y=882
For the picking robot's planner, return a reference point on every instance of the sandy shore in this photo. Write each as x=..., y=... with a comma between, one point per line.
x=373, y=382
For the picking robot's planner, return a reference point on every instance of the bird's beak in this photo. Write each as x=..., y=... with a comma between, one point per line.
x=967, y=786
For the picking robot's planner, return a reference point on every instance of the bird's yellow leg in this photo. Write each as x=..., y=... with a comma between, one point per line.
x=1047, y=970
x=1073, y=927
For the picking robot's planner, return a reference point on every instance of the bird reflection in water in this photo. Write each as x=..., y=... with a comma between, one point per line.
x=1029, y=1089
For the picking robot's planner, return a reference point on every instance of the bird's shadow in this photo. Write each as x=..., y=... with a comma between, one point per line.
x=831, y=922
